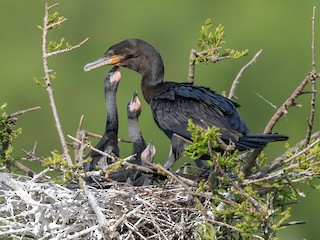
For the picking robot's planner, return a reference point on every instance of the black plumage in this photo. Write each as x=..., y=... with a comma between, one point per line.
x=173, y=104
x=109, y=141
x=139, y=148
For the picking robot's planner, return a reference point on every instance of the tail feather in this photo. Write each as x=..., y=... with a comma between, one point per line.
x=253, y=141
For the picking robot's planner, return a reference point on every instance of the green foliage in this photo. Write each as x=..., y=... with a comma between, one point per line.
x=7, y=134
x=54, y=46
x=205, y=232
x=210, y=44
x=271, y=195
x=201, y=139
x=58, y=163
x=115, y=167
x=55, y=18
x=42, y=82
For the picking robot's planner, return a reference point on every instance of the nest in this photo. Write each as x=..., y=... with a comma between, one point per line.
x=29, y=209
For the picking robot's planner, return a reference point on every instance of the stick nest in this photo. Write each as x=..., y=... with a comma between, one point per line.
x=46, y=210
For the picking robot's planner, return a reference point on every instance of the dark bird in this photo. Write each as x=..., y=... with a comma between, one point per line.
x=147, y=156
x=173, y=104
x=143, y=152
x=109, y=141
x=139, y=148
x=135, y=135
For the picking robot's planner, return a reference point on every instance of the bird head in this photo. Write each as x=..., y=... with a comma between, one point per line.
x=134, y=106
x=135, y=54
x=148, y=153
x=114, y=75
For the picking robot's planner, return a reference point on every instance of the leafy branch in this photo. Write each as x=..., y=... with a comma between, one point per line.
x=53, y=21
x=258, y=207
x=7, y=134
x=210, y=48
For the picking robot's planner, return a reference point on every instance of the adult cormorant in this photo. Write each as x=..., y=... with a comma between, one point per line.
x=109, y=141
x=173, y=104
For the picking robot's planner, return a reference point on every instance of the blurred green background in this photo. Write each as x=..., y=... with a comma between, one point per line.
x=281, y=28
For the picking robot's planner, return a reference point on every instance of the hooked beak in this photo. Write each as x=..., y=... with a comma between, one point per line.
x=135, y=104
x=114, y=60
x=151, y=150
x=135, y=97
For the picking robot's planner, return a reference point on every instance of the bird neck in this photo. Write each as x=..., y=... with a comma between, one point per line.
x=152, y=83
x=150, y=67
x=138, y=143
x=112, y=111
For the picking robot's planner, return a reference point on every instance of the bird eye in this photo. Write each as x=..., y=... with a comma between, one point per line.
x=109, y=54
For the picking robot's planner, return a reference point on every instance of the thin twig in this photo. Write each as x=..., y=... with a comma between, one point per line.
x=49, y=87
x=314, y=87
x=78, y=146
x=113, y=158
x=265, y=176
x=192, y=63
x=113, y=228
x=50, y=54
x=51, y=6
x=277, y=162
x=98, y=136
x=311, y=77
x=239, y=75
x=103, y=224
x=192, y=66
x=170, y=174
x=236, y=187
x=282, y=110
x=21, y=112
x=56, y=24
x=23, y=168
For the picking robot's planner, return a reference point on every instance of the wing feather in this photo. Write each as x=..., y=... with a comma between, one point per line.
x=173, y=108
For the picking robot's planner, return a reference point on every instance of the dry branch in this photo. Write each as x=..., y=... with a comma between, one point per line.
x=279, y=161
x=21, y=112
x=240, y=73
x=45, y=55
x=314, y=88
x=291, y=101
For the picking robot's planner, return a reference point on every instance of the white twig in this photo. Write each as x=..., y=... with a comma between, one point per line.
x=103, y=224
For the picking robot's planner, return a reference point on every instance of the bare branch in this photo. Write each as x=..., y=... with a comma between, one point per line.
x=103, y=224
x=314, y=69
x=78, y=146
x=282, y=110
x=177, y=179
x=291, y=101
x=277, y=162
x=23, y=168
x=113, y=158
x=49, y=87
x=51, y=6
x=98, y=136
x=239, y=75
x=314, y=88
x=192, y=66
x=192, y=63
x=21, y=112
